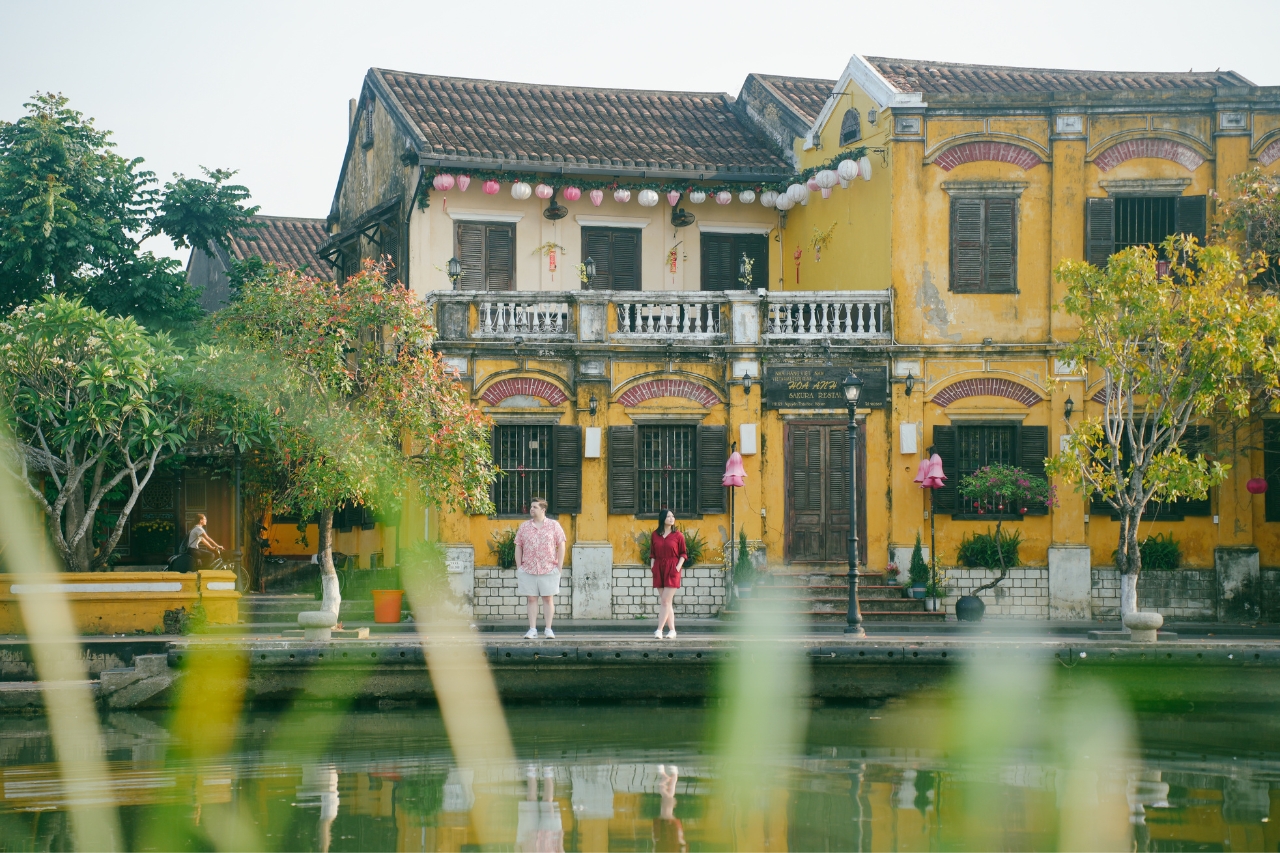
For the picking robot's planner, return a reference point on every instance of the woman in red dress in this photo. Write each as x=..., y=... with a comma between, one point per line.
x=667, y=554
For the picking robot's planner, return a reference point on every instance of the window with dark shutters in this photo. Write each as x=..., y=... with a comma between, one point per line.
x=1196, y=441
x=1271, y=467
x=713, y=453
x=523, y=455
x=486, y=252
x=1113, y=224
x=964, y=449
x=850, y=127
x=722, y=257
x=566, y=471
x=984, y=245
x=616, y=255
x=1192, y=216
x=389, y=240
x=622, y=470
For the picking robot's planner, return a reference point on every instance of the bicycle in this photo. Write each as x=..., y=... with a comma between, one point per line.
x=242, y=575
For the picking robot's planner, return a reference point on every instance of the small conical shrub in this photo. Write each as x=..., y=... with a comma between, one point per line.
x=919, y=571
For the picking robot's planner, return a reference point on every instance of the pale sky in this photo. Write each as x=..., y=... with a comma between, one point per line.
x=263, y=86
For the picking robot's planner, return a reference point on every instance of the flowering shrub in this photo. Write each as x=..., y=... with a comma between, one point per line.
x=1004, y=489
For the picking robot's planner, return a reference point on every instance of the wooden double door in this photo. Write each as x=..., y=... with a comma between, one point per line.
x=817, y=463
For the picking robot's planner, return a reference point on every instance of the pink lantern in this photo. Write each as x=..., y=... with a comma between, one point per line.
x=673, y=197
x=491, y=187
x=734, y=473
x=724, y=197
x=597, y=196
x=543, y=191
x=572, y=193
x=443, y=182
x=812, y=184
x=464, y=181
x=621, y=196
x=1256, y=486
x=929, y=475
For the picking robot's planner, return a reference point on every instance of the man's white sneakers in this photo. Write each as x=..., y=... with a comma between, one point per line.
x=531, y=634
x=548, y=633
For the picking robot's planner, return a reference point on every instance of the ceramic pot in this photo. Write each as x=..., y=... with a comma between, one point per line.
x=970, y=608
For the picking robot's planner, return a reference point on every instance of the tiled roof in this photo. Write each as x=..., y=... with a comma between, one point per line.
x=287, y=241
x=806, y=95
x=567, y=126
x=954, y=78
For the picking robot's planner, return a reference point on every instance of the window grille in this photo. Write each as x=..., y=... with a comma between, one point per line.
x=1144, y=221
x=523, y=454
x=668, y=469
x=979, y=446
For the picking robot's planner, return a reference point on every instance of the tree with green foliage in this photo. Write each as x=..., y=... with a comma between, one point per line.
x=73, y=215
x=94, y=407
x=1250, y=220
x=1172, y=345
x=359, y=408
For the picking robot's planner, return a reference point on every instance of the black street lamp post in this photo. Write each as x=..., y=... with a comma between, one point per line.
x=852, y=387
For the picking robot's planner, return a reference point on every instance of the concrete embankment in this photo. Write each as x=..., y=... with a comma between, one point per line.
x=151, y=673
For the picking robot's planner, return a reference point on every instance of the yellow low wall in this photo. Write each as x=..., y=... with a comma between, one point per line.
x=124, y=602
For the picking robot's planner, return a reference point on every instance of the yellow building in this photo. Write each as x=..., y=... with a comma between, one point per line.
x=715, y=319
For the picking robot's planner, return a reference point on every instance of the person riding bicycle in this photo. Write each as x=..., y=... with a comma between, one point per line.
x=200, y=544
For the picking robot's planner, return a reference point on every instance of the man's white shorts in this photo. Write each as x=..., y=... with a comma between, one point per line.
x=537, y=585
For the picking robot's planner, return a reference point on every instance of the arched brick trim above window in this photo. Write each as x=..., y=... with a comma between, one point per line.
x=1162, y=149
x=504, y=388
x=669, y=388
x=1000, y=152
x=986, y=388
x=1101, y=396
x=1270, y=154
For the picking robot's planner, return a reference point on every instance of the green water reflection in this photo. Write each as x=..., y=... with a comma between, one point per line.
x=640, y=778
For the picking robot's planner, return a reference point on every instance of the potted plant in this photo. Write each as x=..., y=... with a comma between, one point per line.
x=502, y=544
x=744, y=571
x=933, y=594
x=918, y=571
x=1000, y=490
x=891, y=574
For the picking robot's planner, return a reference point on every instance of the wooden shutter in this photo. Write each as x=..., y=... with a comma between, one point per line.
x=966, y=244
x=566, y=469
x=1195, y=442
x=1191, y=216
x=367, y=519
x=713, y=453
x=623, y=486
x=597, y=245
x=756, y=247
x=1099, y=230
x=625, y=259
x=1271, y=467
x=1002, y=249
x=1033, y=447
x=469, y=250
x=390, y=238
x=719, y=269
x=499, y=257
x=944, y=442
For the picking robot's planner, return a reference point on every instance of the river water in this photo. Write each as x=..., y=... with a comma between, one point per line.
x=922, y=775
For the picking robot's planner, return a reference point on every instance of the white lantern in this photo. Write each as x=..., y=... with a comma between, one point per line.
x=747, y=196
x=784, y=202
x=520, y=190
x=826, y=180
x=864, y=168
x=724, y=197
x=697, y=196
x=543, y=191
x=798, y=193
x=768, y=198
x=847, y=171
x=647, y=198
x=621, y=196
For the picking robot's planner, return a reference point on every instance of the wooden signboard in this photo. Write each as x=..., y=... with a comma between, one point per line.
x=819, y=387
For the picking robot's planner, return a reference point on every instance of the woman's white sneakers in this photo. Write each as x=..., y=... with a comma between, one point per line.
x=531, y=634
x=547, y=632
x=657, y=635
x=671, y=635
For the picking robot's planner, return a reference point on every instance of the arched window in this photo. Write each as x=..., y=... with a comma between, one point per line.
x=850, y=127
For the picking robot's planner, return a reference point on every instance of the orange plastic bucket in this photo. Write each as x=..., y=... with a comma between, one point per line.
x=386, y=605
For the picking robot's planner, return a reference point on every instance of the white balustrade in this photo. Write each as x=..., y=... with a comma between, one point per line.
x=506, y=317
x=691, y=316
x=836, y=315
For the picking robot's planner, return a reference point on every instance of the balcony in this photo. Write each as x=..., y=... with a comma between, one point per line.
x=652, y=317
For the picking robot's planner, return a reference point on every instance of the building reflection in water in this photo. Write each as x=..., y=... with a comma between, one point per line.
x=390, y=785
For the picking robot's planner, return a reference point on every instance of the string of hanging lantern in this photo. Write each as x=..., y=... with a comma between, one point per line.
x=785, y=194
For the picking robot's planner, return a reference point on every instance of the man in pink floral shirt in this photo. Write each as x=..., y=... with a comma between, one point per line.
x=540, y=545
